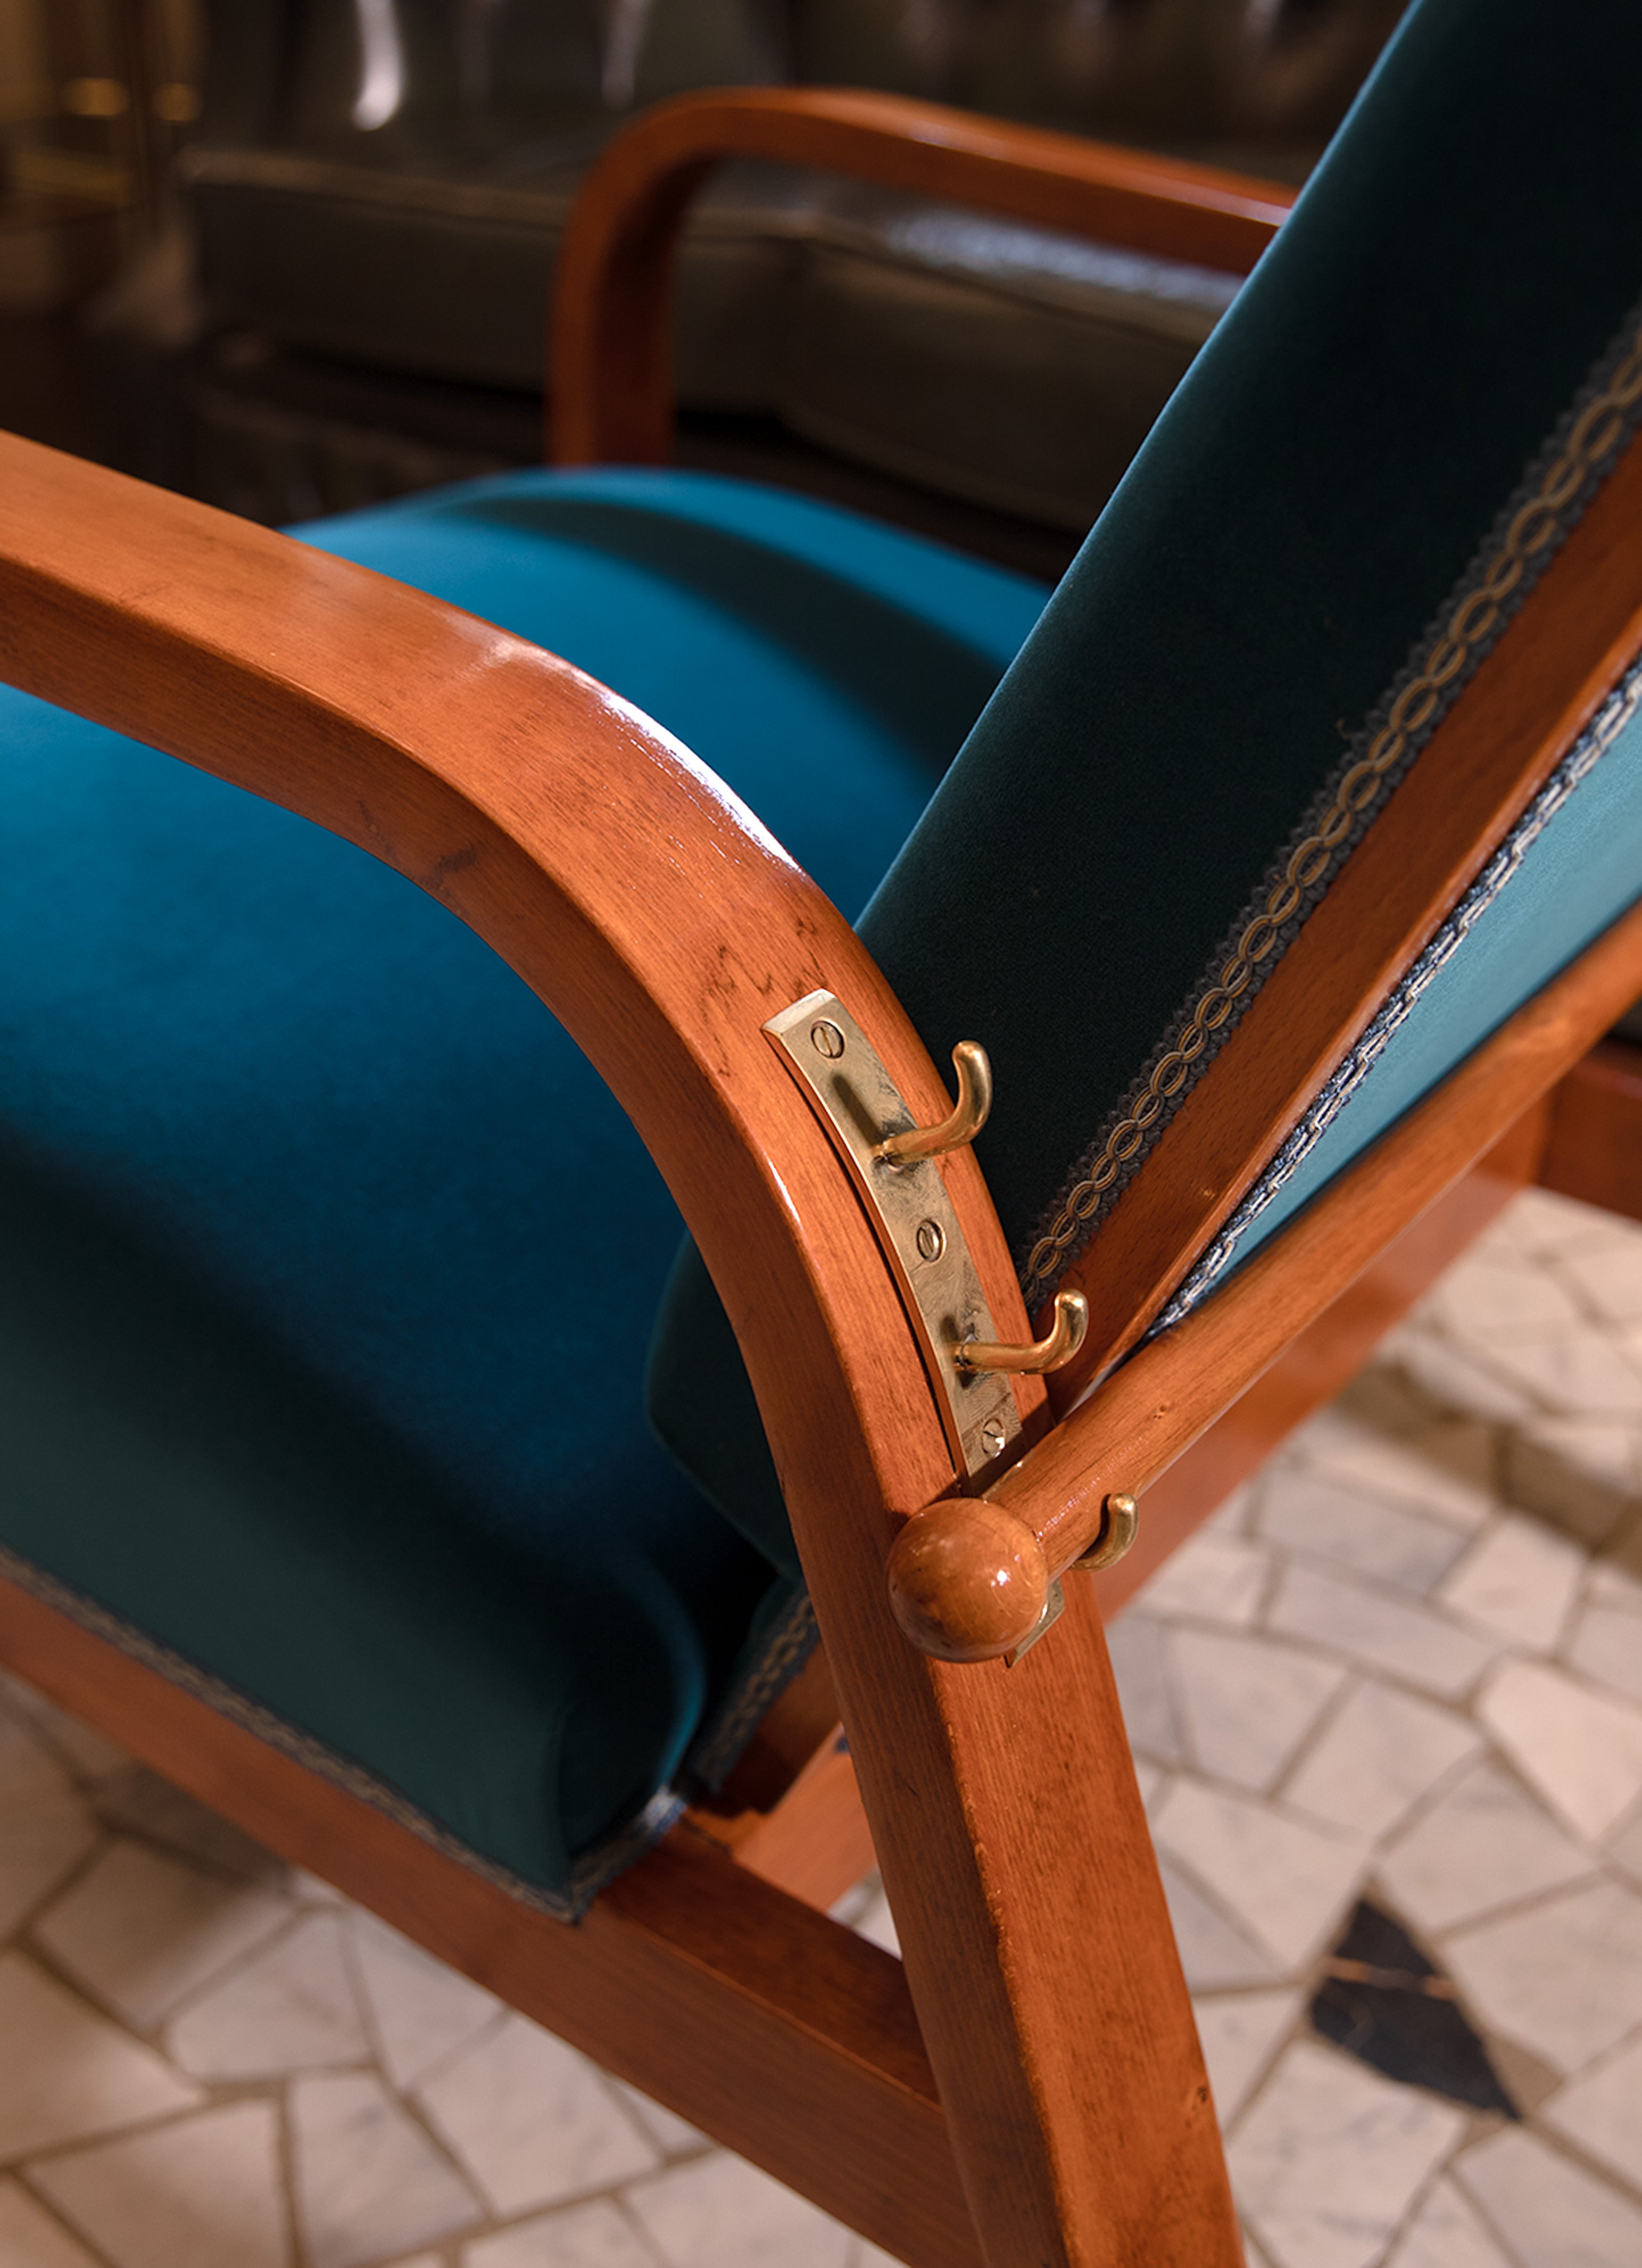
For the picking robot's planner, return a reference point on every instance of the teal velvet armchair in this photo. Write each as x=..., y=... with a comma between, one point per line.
x=378, y=1464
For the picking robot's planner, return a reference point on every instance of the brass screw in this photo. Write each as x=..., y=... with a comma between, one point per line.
x=994, y=1436
x=826, y=1040
x=932, y=1239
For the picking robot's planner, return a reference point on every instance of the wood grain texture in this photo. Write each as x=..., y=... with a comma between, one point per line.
x=786, y=2038
x=1156, y=1405
x=814, y=1844
x=1529, y=700
x=1594, y=1147
x=663, y=925
x=609, y=352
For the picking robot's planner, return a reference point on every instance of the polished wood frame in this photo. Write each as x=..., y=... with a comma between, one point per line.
x=1027, y=2088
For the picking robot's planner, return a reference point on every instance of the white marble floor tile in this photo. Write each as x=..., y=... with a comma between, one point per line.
x=1149, y=1778
x=1399, y=1636
x=1580, y=1473
x=368, y=2181
x=1499, y=1296
x=1246, y=1703
x=141, y=1930
x=1483, y=1843
x=313, y=1889
x=721, y=2213
x=1446, y=2232
x=1518, y=1580
x=1608, y=1280
x=422, y=2011
x=30, y=2237
x=877, y=1925
x=1578, y=1371
x=291, y=2007
x=1625, y=1849
x=1611, y=1584
x=1240, y=2032
x=1230, y=1516
x=66, y=2071
x=1564, y=1977
x=1378, y=1755
x=1214, y=1577
x=202, y=2192
x=531, y=2120
x=1606, y=1643
x=1330, y=1433
x=1579, y=1749
x=1371, y=1533
x=1137, y=1643
x=671, y=2135
x=42, y=1840
x=1286, y=1883
x=1455, y=1380
x=1215, y=1954
x=596, y=2236
x=1443, y=1469
x=1330, y=2155
x=1550, y=1224
x=1601, y=2112
x=1551, y=2213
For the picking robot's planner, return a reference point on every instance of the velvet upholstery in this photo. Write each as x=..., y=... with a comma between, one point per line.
x=1304, y=509
x=329, y=1265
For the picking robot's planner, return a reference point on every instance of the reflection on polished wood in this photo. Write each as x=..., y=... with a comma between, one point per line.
x=657, y=920
x=1004, y=2097
x=609, y=355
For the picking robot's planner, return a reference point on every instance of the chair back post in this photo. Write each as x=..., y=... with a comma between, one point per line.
x=609, y=347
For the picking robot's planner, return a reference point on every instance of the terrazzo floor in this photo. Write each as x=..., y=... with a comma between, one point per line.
x=1405, y=1665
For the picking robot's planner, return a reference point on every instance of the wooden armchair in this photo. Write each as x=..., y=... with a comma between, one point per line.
x=1398, y=1034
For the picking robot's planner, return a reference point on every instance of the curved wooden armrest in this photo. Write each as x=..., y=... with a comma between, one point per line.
x=622, y=880
x=610, y=360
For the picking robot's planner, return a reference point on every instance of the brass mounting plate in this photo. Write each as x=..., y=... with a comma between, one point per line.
x=854, y=1096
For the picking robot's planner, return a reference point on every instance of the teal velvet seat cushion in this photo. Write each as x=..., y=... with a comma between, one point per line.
x=1461, y=270
x=327, y=1264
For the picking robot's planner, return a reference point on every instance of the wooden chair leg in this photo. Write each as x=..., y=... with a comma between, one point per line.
x=1038, y=1947
x=1594, y=1148
x=782, y=2035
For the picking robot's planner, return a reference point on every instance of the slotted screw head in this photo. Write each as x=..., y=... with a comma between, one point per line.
x=826, y=1040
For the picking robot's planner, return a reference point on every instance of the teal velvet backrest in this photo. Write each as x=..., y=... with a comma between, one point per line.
x=1347, y=457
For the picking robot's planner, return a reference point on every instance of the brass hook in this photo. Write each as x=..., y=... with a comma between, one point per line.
x=966, y=1117
x=1118, y=1528
x=1065, y=1337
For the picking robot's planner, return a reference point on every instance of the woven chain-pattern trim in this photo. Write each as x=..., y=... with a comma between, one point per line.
x=1619, y=710
x=588, y=1874
x=1533, y=527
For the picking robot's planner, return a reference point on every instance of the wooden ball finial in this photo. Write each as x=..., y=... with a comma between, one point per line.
x=967, y=1580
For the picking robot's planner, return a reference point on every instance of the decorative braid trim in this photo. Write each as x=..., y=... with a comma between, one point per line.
x=779, y=1655
x=1527, y=534
x=1616, y=713
x=588, y=1875
x=776, y=1659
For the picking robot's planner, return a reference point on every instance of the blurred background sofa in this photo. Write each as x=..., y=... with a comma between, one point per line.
x=340, y=293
